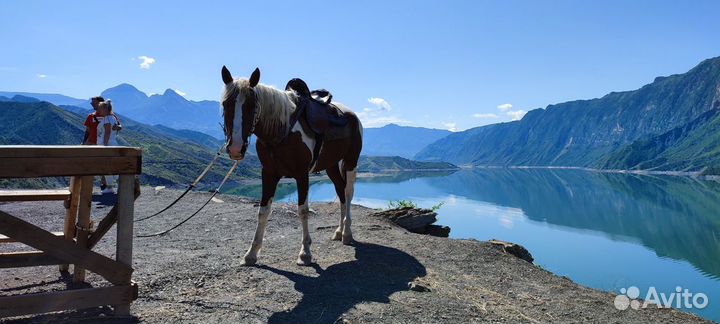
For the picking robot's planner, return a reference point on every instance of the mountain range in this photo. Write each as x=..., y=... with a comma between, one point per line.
x=669, y=124
x=395, y=140
x=172, y=110
x=169, y=109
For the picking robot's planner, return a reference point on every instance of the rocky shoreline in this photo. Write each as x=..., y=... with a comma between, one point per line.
x=390, y=275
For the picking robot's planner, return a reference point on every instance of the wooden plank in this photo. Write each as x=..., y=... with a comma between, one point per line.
x=109, y=220
x=71, y=215
x=27, y=259
x=102, y=228
x=34, y=195
x=125, y=221
x=5, y=239
x=51, y=151
x=67, y=299
x=58, y=247
x=25, y=167
x=83, y=222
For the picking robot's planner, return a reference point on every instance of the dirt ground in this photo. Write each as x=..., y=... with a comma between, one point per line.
x=193, y=275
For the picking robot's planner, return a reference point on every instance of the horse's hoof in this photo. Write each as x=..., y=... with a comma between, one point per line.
x=304, y=260
x=337, y=236
x=347, y=240
x=249, y=261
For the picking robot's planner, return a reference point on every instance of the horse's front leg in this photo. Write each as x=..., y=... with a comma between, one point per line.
x=269, y=183
x=303, y=183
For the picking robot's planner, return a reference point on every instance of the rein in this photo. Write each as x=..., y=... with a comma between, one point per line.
x=190, y=187
x=217, y=190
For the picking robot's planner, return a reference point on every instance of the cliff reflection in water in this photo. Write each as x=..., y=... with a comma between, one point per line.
x=677, y=217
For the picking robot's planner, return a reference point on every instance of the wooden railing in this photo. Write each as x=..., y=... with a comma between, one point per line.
x=73, y=245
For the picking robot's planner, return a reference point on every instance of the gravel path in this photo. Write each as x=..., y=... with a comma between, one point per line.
x=193, y=275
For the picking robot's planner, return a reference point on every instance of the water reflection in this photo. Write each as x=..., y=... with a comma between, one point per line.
x=677, y=217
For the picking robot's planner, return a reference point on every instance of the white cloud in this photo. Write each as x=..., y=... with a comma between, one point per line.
x=146, y=62
x=505, y=107
x=516, y=115
x=380, y=103
x=180, y=92
x=42, y=76
x=377, y=116
x=450, y=126
x=483, y=116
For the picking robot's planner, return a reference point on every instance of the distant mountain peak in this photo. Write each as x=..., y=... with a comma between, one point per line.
x=25, y=99
x=172, y=93
x=123, y=89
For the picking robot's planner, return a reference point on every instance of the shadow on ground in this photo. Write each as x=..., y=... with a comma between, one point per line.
x=99, y=315
x=377, y=272
x=105, y=199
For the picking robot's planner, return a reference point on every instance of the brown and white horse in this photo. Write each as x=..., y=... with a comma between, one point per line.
x=287, y=151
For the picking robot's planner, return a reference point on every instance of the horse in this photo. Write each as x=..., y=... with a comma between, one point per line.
x=285, y=150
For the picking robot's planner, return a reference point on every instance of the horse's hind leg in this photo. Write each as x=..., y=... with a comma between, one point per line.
x=304, y=257
x=347, y=237
x=349, y=171
x=336, y=177
x=268, y=191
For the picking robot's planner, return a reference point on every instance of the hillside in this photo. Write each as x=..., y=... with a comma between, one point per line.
x=395, y=140
x=690, y=147
x=586, y=132
x=396, y=163
x=167, y=159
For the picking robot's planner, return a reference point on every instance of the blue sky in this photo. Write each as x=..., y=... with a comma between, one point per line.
x=440, y=64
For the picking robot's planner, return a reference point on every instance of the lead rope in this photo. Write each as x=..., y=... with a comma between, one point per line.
x=201, y=207
x=190, y=187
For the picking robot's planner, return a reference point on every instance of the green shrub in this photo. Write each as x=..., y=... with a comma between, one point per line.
x=392, y=204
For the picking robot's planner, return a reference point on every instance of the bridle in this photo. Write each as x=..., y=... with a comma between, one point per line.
x=255, y=119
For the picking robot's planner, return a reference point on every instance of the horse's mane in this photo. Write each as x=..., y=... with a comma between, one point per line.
x=276, y=106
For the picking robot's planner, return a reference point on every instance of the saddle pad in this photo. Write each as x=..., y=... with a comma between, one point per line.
x=333, y=132
x=337, y=132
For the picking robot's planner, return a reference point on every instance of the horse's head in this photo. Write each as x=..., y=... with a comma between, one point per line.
x=241, y=111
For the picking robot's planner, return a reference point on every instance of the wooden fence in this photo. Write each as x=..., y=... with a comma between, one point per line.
x=74, y=244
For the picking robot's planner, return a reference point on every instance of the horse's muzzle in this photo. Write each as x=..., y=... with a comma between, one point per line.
x=236, y=153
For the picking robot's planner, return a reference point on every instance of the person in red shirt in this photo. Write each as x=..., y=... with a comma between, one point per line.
x=91, y=122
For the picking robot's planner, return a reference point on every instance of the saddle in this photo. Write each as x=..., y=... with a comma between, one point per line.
x=316, y=109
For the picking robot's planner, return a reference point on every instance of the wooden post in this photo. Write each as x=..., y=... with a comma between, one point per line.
x=71, y=214
x=124, y=246
x=83, y=222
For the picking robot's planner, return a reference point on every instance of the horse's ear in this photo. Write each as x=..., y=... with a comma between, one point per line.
x=255, y=78
x=226, y=76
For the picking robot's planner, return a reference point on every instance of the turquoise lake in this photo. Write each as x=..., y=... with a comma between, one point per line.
x=603, y=230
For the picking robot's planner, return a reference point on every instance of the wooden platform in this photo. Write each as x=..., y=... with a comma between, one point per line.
x=59, y=161
x=5, y=239
x=72, y=246
x=34, y=195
